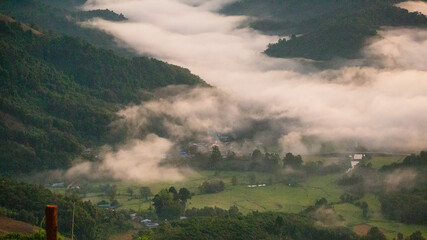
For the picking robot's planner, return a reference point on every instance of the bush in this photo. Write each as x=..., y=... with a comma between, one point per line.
x=212, y=186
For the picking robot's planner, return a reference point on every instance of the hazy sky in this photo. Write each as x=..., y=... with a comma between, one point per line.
x=382, y=105
x=414, y=6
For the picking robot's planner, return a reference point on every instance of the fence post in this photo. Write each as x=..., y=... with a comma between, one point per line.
x=51, y=222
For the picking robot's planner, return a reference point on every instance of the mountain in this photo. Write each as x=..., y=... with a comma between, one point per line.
x=59, y=94
x=64, y=17
x=323, y=30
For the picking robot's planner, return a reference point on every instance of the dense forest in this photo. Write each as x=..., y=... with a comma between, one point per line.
x=252, y=226
x=64, y=17
x=59, y=94
x=27, y=202
x=394, y=205
x=326, y=29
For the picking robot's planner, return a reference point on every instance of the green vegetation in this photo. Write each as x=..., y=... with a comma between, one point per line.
x=394, y=204
x=62, y=16
x=328, y=29
x=36, y=236
x=417, y=161
x=212, y=186
x=252, y=226
x=60, y=94
x=90, y=221
x=170, y=204
x=282, y=195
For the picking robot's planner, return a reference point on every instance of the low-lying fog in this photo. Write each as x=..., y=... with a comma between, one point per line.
x=380, y=104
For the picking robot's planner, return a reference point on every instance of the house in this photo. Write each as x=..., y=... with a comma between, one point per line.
x=149, y=223
x=60, y=184
x=358, y=156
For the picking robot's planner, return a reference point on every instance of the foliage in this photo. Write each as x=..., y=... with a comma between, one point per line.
x=170, y=204
x=405, y=206
x=413, y=160
x=216, y=158
x=59, y=95
x=348, y=180
x=35, y=236
x=252, y=226
x=328, y=28
x=292, y=161
x=212, y=186
x=211, y=212
x=375, y=234
x=64, y=17
x=145, y=192
x=90, y=221
x=345, y=34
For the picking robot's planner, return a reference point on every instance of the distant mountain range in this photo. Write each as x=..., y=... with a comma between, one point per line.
x=323, y=29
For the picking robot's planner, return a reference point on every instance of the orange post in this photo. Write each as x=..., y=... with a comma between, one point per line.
x=51, y=222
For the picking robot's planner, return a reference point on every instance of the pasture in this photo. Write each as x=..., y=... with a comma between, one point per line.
x=278, y=195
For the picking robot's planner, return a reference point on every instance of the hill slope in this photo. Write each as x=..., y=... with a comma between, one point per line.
x=8, y=225
x=62, y=16
x=59, y=94
x=328, y=29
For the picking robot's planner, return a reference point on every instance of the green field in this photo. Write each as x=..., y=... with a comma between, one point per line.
x=278, y=196
x=379, y=161
x=353, y=217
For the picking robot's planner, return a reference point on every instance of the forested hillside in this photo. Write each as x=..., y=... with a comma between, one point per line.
x=322, y=30
x=63, y=16
x=252, y=226
x=27, y=202
x=59, y=94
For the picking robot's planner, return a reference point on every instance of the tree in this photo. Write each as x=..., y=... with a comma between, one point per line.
x=112, y=193
x=365, y=209
x=161, y=200
x=231, y=156
x=216, y=158
x=292, y=161
x=234, y=210
x=174, y=192
x=184, y=194
x=130, y=191
x=212, y=186
x=256, y=155
x=145, y=192
x=167, y=206
x=272, y=161
x=375, y=234
x=416, y=236
x=234, y=180
x=252, y=178
x=321, y=202
x=399, y=236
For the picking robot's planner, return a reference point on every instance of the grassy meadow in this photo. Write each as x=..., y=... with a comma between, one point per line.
x=275, y=196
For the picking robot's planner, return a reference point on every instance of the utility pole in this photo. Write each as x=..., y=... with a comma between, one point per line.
x=72, y=224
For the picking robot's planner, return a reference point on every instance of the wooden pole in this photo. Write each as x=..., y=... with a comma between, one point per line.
x=51, y=222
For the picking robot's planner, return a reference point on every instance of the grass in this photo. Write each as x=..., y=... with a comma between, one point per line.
x=352, y=216
x=379, y=161
x=278, y=196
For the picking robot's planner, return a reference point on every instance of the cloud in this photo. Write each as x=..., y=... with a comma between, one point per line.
x=414, y=6
x=138, y=161
x=400, y=179
x=380, y=104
